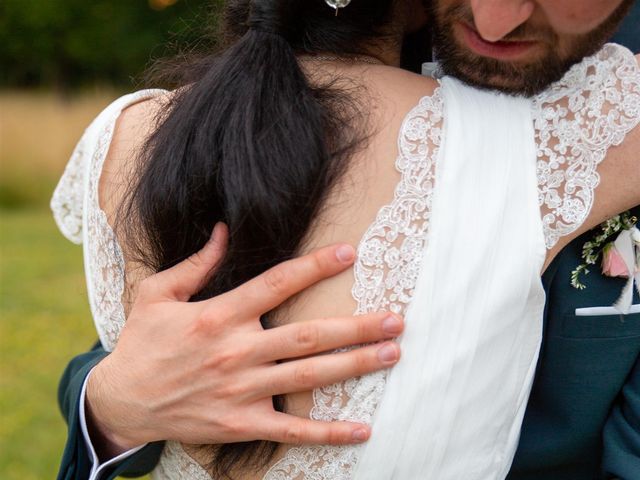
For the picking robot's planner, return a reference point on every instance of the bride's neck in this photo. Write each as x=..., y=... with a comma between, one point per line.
x=389, y=53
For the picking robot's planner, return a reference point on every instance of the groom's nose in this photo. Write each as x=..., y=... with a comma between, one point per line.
x=496, y=18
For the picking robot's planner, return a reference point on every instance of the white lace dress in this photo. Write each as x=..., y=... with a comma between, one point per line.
x=486, y=183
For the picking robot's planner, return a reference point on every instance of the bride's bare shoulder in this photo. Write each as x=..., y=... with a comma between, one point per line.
x=133, y=127
x=401, y=87
x=135, y=123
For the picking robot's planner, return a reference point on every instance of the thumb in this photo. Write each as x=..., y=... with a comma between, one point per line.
x=185, y=279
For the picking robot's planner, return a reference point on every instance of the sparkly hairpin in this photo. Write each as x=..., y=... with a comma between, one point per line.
x=337, y=4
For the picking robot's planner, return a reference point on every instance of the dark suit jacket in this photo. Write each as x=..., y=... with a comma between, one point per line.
x=583, y=417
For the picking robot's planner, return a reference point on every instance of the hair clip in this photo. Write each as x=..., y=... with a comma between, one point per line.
x=337, y=4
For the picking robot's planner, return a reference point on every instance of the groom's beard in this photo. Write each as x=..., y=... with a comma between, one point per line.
x=551, y=59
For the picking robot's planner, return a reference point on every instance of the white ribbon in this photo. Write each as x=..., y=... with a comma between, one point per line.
x=628, y=245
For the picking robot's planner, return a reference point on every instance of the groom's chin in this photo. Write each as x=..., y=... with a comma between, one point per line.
x=521, y=77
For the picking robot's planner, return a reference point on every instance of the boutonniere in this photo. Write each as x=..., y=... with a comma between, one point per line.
x=620, y=256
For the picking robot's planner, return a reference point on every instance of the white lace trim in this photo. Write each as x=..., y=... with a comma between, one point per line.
x=577, y=120
x=386, y=271
x=104, y=262
x=68, y=197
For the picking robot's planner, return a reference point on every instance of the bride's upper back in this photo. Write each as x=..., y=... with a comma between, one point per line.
x=382, y=95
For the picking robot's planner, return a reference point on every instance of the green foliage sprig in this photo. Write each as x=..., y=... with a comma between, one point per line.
x=592, y=250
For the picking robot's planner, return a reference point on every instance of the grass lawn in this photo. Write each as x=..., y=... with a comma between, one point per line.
x=45, y=321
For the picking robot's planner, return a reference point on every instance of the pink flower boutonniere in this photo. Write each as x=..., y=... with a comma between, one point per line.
x=613, y=264
x=620, y=257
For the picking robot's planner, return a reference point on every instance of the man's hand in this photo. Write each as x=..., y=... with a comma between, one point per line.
x=205, y=372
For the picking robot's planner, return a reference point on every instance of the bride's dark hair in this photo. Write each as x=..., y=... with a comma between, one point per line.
x=247, y=139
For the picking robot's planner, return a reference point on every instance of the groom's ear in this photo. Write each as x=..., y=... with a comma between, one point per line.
x=416, y=49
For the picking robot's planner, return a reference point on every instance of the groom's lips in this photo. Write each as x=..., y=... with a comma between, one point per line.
x=500, y=50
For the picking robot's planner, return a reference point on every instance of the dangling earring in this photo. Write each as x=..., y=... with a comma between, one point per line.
x=337, y=4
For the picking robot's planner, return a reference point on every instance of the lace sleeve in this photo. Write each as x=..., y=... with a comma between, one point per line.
x=76, y=209
x=576, y=121
x=68, y=198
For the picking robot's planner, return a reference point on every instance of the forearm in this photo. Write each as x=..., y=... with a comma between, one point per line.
x=106, y=444
x=76, y=406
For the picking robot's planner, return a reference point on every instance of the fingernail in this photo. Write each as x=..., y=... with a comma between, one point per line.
x=388, y=353
x=392, y=325
x=345, y=253
x=360, y=435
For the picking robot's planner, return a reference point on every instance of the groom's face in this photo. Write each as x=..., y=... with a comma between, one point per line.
x=520, y=46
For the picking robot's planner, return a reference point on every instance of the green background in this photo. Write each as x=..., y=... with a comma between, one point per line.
x=61, y=62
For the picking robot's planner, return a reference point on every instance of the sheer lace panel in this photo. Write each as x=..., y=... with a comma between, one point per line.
x=389, y=258
x=68, y=197
x=104, y=259
x=576, y=121
x=176, y=464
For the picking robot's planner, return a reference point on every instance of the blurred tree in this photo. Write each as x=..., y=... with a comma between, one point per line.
x=66, y=43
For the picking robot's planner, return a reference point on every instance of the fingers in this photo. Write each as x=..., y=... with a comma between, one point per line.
x=306, y=338
x=276, y=285
x=309, y=373
x=284, y=428
x=185, y=279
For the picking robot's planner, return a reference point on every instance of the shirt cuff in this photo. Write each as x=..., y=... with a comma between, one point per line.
x=98, y=468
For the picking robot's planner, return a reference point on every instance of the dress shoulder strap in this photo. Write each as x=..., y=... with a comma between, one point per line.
x=68, y=198
x=592, y=108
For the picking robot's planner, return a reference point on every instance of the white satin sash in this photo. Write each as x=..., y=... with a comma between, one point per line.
x=453, y=405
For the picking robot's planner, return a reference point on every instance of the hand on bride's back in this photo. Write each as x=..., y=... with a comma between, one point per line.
x=205, y=372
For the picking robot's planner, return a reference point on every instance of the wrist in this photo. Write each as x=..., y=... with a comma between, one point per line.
x=107, y=415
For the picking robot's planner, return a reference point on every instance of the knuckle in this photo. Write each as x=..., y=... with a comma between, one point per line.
x=203, y=325
x=336, y=436
x=305, y=376
x=318, y=261
x=321, y=261
x=275, y=280
x=230, y=427
x=195, y=260
x=211, y=321
x=308, y=337
x=218, y=312
x=236, y=390
x=363, y=328
x=363, y=362
x=294, y=434
x=224, y=360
